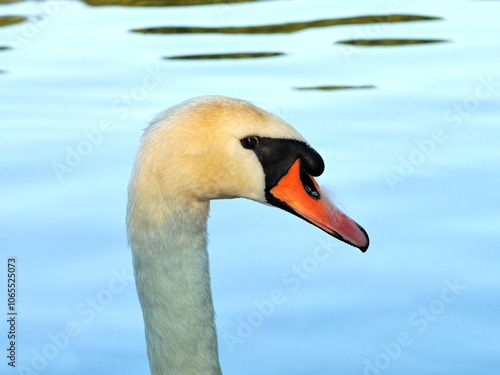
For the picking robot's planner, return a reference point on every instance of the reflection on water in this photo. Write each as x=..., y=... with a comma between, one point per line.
x=389, y=42
x=285, y=27
x=161, y=3
x=4, y=48
x=326, y=88
x=2, y=2
x=11, y=20
x=216, y=56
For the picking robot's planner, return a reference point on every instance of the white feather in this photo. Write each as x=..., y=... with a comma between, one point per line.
x=189, y=154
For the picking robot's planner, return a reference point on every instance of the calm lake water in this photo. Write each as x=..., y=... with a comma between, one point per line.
x=401, y=98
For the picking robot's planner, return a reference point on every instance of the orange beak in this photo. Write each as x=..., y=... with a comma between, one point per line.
x=298, y=193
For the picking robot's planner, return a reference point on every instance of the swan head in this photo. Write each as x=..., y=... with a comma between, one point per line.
x=216, y=147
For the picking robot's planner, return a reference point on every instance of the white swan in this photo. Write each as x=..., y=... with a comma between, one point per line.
x=209, y=148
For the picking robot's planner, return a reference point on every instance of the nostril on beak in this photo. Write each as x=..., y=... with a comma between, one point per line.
x=309, y=185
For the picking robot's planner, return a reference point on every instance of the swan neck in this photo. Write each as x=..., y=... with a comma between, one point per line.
x=173, y=282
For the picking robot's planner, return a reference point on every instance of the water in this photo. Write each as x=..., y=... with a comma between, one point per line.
x=404, y=113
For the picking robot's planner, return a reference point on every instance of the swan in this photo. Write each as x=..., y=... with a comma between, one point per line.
x=210, y=147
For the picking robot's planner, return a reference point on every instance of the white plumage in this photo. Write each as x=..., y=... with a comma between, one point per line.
x=189, y=154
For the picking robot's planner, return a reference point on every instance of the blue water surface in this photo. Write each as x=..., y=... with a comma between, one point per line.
x=409, y=134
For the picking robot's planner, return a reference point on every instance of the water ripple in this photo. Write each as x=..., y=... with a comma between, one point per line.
x=11, y=20
x=327, y=88
x=389, y=42
x=160, y=3
x=286, y=27
x=217, y=56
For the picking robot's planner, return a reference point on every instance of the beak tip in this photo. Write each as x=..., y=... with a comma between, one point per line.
x=365, y=247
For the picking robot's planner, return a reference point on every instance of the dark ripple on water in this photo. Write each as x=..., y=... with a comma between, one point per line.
x=285, y=27
x=328, y=88
x=389, y=42
x=11, y=20
x=161, y=3
x=219, y=56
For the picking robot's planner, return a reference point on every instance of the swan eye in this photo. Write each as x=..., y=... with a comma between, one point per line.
x=250, y=142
